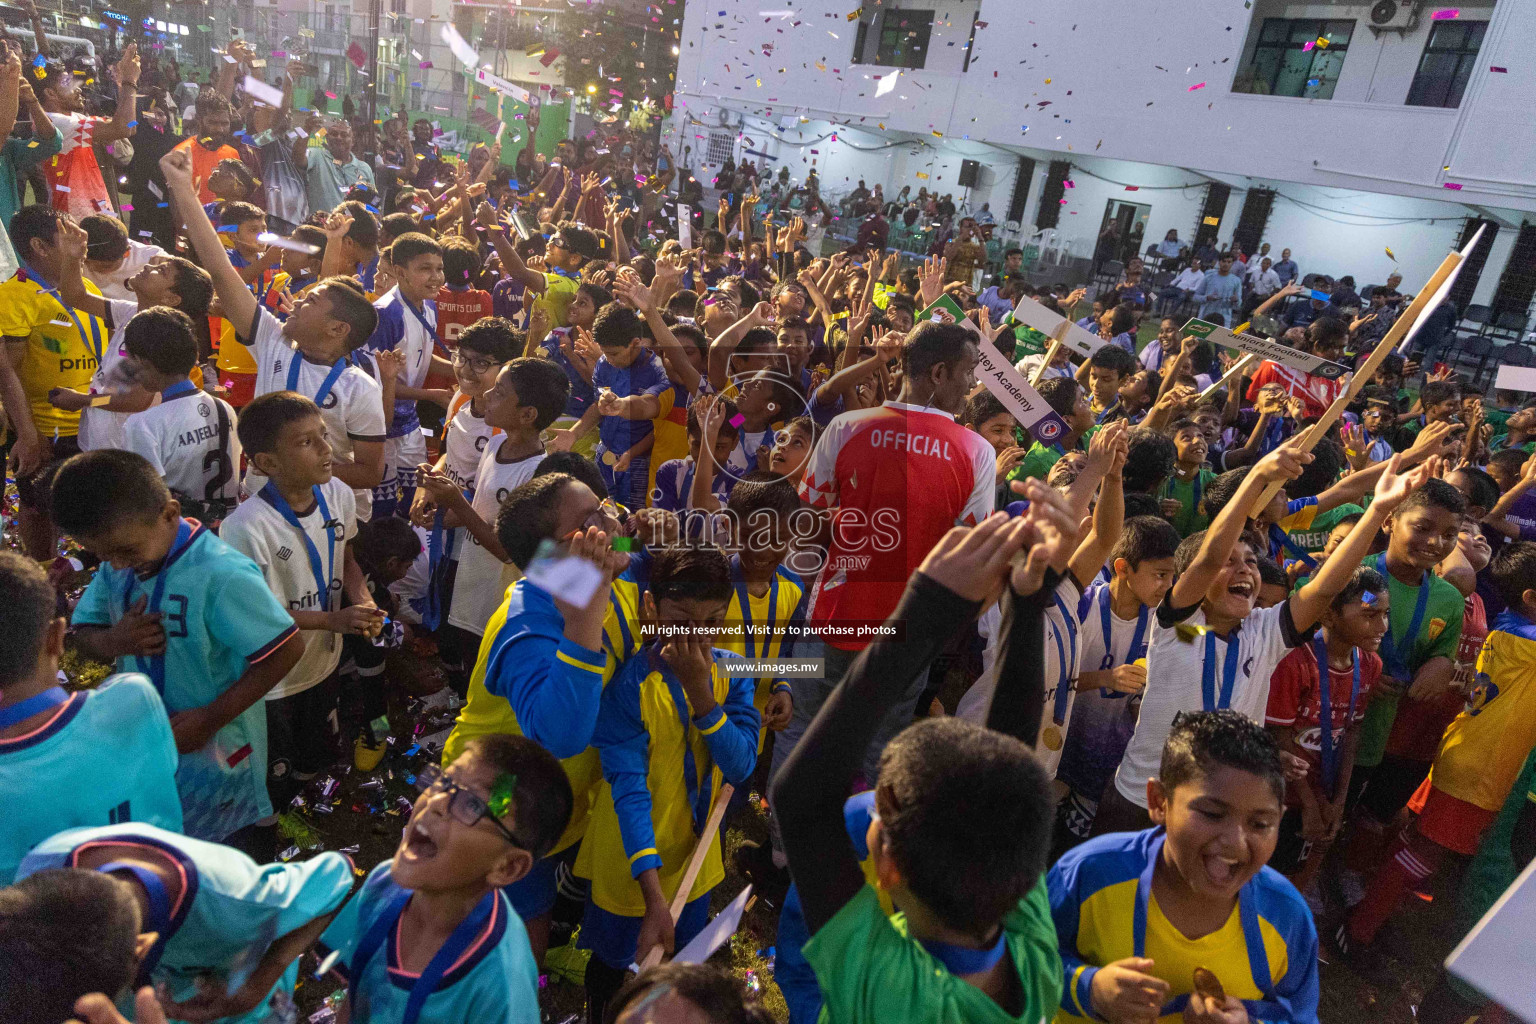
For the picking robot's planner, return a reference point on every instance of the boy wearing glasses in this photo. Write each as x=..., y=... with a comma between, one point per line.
x=564, y=253
x=430, y=931
x=527, y=396
x=541, y=667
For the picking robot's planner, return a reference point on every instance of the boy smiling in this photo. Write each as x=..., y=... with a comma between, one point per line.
x=1199, y=658
x=1149, y=920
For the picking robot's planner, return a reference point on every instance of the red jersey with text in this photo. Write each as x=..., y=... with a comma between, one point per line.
x=899, y=477
x=1295, y=699
x=456, y=310
x=1316, y=393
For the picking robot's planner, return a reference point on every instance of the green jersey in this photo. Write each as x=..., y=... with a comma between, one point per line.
x=1314, y=536
x=1189, y=519
x=871, y=970
x=1404, y=652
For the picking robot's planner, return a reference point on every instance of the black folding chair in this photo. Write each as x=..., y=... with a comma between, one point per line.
x=1509, y=325
x=1476, y=317
x=1474, y=352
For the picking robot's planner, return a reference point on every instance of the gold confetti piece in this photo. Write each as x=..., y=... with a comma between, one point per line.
x=922, y=175
x=1390, y=256
x=1322, y=43
x=854, y=15
x=938, y=135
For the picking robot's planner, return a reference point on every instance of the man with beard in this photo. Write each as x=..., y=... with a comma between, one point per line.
x=75, y=183
x=209, y=141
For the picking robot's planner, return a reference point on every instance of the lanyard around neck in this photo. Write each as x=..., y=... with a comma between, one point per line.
x=421, y=317
x=323, y=575
x=1395, y=659
x=1138, y=648
x=155, y=668
x=181, y=387
x=35, y=704
x=1280, y=541
x=1331, y=755
x=744, y=597
x=159, y=910
x=699, y=784
x=1066, y=661
x=1210, y=701
x=330, y=378
x=90, y=339
x=447, y=955
x=1248, y=916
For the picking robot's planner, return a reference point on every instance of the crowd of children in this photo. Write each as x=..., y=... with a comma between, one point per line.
x=1111, y=721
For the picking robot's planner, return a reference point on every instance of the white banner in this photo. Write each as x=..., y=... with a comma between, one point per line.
x=491, y=81
x=1515, y=378
x=1002, y=379
x=1264, y=348
x=1057, y=327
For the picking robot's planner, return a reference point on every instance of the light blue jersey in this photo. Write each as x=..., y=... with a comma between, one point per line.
x=226, y=913
x=219, y=619
x=495, y=981
x=105, y=756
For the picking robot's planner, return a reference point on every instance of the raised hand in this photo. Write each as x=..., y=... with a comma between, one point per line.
x=336, y=225
x=176, y=166
x=1284, y=463
x=1054, y=531
x=1394, y=486
x=128, y=66
x=633, y=292
x=931, y=281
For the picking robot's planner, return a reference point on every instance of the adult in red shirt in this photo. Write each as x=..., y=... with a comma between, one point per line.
x=895, y=479
x=1325, y=339
x=209, y=141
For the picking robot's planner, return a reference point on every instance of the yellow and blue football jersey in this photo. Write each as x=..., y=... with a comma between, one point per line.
x=662, y=767
x=1265, y=954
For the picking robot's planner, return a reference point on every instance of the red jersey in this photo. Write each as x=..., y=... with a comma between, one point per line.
x=899, y=476
x=1317, y=393
x=1420, y=724
x=456, y=310
x=1295, y=699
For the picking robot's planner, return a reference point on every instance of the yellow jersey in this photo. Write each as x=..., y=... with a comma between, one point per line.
x=63, y=348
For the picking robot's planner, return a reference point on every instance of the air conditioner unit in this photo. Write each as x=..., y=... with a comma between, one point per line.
x=1394, y=15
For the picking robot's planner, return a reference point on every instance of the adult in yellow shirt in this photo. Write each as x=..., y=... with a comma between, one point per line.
x=48, y=345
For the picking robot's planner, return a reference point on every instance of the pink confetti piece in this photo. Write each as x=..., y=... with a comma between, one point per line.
x=1454, y=186
x=329, y=95
x=1498, y=70
x=1194, y=87
x=738, y=420
x=1445, y=14
x=1306, y=46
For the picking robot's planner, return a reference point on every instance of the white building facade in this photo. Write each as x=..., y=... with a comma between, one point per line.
x=1338, y=130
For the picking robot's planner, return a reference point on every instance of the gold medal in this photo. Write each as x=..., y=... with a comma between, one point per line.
x=609, y=458
x=1051, y=738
